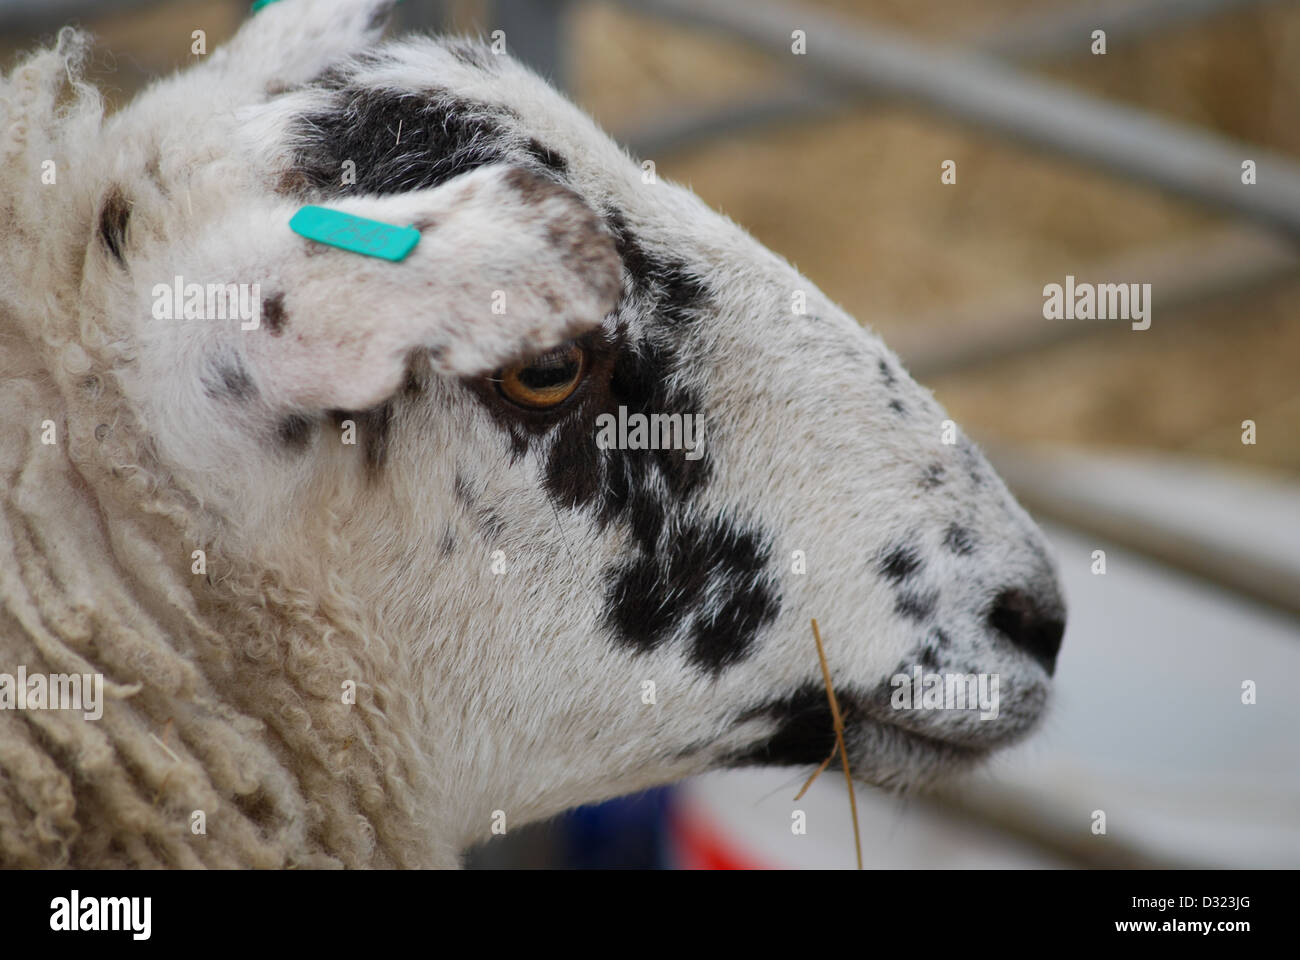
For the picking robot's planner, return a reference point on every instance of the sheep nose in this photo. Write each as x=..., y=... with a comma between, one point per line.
x=1035, y=625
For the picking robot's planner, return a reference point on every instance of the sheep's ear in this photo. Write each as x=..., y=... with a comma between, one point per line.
x=507, y=264
x=290, y=42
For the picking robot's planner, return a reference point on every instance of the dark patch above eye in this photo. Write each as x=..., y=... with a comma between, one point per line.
x=113, y=218
x=677, y=296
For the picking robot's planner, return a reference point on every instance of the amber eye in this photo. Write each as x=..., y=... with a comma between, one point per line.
x=545, y=381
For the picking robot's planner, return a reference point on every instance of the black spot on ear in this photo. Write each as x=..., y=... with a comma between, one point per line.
x=806, y=729
x=958, y=539
x=897, y=407
x=274, y=317
x=442, y=136
x=296, y=431
x=113, y=218
x=899, y=564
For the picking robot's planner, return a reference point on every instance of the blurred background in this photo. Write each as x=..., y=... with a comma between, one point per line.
x=1122, y=167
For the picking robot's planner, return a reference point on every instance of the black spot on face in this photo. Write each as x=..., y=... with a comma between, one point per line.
x=374, y=428
x=897, y=407
x=915, y=606
x=886, y=375
x=274, y=317
x=974, y=463
x=232, y=381
x=703, y=579
x=295, y=432
x=678, y=296
x=655, y=593
x=805, y=732
x=899, y=564
x=113, y=218
x=959, y=539
x=933, y=476
x=641, y=487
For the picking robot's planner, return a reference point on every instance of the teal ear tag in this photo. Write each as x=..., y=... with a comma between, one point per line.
x=356, y=234
x=259, y=4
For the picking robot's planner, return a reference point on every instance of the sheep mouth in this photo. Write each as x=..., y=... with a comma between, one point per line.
x=894, y=757
x=882, y=751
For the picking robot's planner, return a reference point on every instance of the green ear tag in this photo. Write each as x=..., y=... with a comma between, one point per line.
x=357, y=234
x=259, y=4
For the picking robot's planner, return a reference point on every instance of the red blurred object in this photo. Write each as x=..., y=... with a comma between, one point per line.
x=697, y=845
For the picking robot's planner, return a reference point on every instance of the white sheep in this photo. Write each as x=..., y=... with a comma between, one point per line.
x=356, y=573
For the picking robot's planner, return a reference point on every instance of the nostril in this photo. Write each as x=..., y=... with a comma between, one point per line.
x=1018, y=618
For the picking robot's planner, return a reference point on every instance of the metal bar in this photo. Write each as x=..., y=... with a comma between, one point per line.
x=1072, y=491
x=19, y=17
x=1034, y=37
x=1069, y=31
x=1184, y=276
x=803, y=103
x=1181, y=160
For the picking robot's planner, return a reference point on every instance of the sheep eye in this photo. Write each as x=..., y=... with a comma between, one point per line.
x=546, y=381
